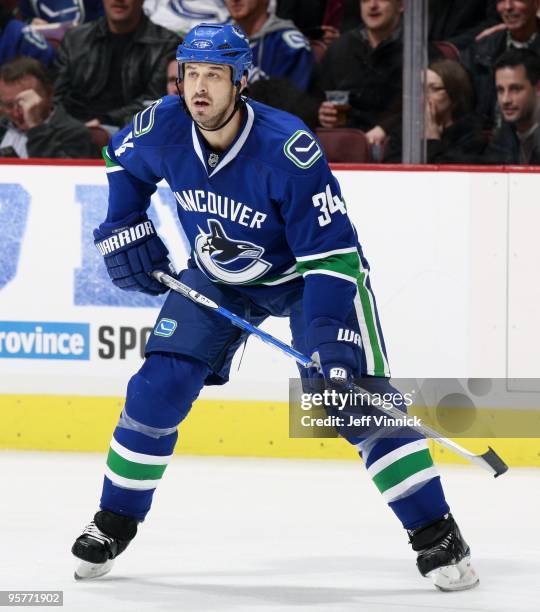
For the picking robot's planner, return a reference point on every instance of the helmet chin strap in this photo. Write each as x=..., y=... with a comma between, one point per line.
x=238, y=103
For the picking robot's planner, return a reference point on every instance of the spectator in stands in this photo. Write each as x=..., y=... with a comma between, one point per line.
x=172, y=75
x=57, y=11
x=111, y=68
x=519, y=29
x=316, y=19
x=279, y=49
x=16, y=38
x=517, y=79
x=351, y=15
x=32, y=126
x=368, y=63
x=282, y=94
x=454, y=134
x=180, y=17
x=459, y=21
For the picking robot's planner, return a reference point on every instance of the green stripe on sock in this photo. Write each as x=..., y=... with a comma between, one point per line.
x=401, y=469
x=130, y=469
x=369, y=316
x=344, y=263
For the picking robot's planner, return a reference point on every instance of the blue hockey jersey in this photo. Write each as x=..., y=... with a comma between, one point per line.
x=266, y=211
x=280, y=50
x=181, y=16
x=16, y=38
x=55, y=11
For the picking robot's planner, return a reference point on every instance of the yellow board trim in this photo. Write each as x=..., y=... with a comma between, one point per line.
x=238, y=428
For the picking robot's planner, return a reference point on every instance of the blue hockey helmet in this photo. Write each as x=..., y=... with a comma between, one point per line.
x=216, y=44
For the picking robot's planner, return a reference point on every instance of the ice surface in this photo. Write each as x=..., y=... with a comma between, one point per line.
x=270, y=535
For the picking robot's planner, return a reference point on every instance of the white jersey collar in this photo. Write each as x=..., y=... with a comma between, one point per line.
x=232, y=152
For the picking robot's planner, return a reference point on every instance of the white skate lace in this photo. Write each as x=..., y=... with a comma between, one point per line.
x=445, y=543
x=92, y=531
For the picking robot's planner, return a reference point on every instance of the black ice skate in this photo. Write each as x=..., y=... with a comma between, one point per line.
x=101, y=542
x=443, y=555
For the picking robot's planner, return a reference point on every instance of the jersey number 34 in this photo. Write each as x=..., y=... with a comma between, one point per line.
x=328, y=205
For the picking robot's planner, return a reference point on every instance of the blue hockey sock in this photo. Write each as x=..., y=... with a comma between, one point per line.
x=403, y=471
x=159, y=397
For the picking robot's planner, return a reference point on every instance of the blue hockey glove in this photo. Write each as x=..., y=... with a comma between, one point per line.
x=336, y=348
x=132, y=251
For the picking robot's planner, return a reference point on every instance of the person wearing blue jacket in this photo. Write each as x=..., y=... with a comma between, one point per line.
x=17, y=38
x=279, y=48
x=59, y=11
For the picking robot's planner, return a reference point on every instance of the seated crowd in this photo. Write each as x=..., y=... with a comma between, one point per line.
x=72, y=72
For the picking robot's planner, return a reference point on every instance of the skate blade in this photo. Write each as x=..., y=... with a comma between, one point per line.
x=87, y=571
x=458, y=577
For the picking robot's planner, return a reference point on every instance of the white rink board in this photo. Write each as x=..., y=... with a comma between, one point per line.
x=436, y=242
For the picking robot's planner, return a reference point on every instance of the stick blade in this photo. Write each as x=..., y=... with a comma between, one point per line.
x=494, y=462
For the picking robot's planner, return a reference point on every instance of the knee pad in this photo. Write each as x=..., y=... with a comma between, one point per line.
x=160, y=395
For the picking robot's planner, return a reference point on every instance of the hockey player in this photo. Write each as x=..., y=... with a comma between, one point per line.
x=270, y=235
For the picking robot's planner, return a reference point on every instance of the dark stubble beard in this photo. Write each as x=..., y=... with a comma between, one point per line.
x=527, y=115
x=213, y=122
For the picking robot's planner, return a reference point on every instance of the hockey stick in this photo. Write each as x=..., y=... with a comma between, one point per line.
x=488, y=460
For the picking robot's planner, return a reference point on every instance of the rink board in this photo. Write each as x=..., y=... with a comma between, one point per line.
x=452, y=256
x=236, y=428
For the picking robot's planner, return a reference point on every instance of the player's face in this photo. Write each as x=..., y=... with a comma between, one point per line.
x=9, y=102
x=381, y=14
x=516, y=95
x=240, y=9
x=209, y=93
x=517, y=13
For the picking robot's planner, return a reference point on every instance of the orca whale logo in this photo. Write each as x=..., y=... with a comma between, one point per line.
x=225, y=258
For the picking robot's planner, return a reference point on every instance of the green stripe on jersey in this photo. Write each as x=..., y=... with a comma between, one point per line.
x=379, y=362
x=109, y=163
x=133, y=470
x=349, y=265
x=274, y=280
x=402, y=469
x=342, y=263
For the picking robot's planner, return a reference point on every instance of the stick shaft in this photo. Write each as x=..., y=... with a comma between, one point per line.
x=428, y=432
x=200, y=299
x=489, y=460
